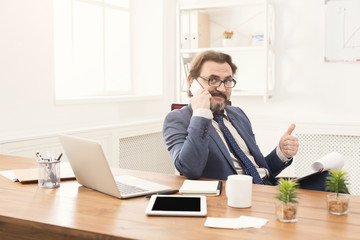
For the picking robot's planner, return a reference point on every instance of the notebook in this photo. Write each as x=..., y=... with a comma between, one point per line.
x=92, y=170
x=31, y=174
x=199, y=187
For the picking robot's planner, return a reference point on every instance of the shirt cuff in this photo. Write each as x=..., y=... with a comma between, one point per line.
x=282, y=157
x=203, y=112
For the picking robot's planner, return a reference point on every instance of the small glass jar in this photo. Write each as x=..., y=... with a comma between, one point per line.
x=338, y=204
x=286, y=212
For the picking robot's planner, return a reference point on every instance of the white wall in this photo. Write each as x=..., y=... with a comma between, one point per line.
x=308, y=90
x=27, y=99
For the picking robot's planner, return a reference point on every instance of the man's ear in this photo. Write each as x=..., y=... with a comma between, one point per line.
x=190, y=81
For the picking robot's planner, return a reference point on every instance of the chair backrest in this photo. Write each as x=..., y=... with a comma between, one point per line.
x=177, y=106
x=181, y=105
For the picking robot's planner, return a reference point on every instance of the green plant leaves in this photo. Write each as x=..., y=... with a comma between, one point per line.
x=337, y=182
x=287, y=191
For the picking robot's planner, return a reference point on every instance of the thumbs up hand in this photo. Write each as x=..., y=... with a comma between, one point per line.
x=288, y=144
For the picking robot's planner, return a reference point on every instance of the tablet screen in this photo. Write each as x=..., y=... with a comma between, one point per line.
x=177, y=204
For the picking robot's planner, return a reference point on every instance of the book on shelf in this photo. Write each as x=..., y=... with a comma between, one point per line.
x=201, y=187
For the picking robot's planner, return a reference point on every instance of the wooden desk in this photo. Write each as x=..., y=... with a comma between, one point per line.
x=75, y=212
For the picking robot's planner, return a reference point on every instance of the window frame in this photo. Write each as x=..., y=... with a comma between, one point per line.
x=103, y=95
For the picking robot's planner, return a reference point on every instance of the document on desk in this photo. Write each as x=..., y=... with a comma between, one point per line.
x=331, y=160
x=9, y=174
x=31, y=174
x=235, y=223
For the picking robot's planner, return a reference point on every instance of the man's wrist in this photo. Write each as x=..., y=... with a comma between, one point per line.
x=281, y=155
x=203, y=112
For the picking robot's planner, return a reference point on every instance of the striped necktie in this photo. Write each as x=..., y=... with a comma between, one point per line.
x=244, y=161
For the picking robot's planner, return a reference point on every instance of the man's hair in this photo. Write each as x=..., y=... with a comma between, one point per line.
x=203, y=57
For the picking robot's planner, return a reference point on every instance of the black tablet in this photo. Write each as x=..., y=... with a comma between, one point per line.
x=177, y=205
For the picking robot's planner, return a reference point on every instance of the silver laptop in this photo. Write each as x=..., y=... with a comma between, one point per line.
x=92, y=170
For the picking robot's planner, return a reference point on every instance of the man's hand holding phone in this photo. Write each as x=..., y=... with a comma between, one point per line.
x=201, y=99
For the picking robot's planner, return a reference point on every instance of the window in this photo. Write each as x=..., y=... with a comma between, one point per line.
x=92, y=48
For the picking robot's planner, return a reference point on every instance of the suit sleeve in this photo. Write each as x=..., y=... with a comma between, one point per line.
x=187, y=140
x=275, y=164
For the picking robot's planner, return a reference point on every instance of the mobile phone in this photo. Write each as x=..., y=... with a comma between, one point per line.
x=195, y=86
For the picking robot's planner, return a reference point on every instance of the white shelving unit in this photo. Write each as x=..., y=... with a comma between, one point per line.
x=256, y=63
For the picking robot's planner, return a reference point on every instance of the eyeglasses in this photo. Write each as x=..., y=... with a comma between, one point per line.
x=228, y=83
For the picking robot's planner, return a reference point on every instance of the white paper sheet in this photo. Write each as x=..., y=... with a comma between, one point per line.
x=235, y=223
x=332, y=160
x=9, y=174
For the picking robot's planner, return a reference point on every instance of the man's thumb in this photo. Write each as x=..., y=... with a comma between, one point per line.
x=291, y=129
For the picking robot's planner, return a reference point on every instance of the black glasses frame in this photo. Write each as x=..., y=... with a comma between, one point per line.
x=220, y=82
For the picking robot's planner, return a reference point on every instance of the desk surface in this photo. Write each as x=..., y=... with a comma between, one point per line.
x=73, y=211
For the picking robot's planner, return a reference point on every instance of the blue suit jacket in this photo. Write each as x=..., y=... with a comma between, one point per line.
x=198, y=151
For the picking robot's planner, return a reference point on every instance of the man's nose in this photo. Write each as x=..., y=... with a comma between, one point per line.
x=222, y=87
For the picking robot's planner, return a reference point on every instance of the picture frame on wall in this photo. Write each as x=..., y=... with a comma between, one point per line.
x=256, y=39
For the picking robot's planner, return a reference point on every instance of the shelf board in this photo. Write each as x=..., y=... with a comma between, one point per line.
x=220, y=4
x=248, y=93
x=238, y=93
x=253, y=93
x=224, y=49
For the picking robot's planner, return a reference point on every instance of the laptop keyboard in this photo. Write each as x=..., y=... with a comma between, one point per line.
x=128, y=189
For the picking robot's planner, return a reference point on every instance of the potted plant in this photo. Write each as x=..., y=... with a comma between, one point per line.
x=228, y=40
x=338, y=201
x=286, y=203
x=228, y=34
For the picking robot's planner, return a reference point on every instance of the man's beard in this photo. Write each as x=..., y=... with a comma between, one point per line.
x=218, y=108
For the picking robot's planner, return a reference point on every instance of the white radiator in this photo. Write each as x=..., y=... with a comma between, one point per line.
x=145, y=152
x=314, y=146
x=141, y=146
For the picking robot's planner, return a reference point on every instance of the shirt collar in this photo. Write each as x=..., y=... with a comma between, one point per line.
x=226, y=115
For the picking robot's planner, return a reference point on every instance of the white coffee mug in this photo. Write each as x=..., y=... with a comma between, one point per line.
x=239, y=191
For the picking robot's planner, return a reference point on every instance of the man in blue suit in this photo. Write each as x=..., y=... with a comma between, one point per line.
x=197, y=144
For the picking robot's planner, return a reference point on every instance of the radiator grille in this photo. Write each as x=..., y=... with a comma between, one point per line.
x=145, y=152
x=314, y=146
